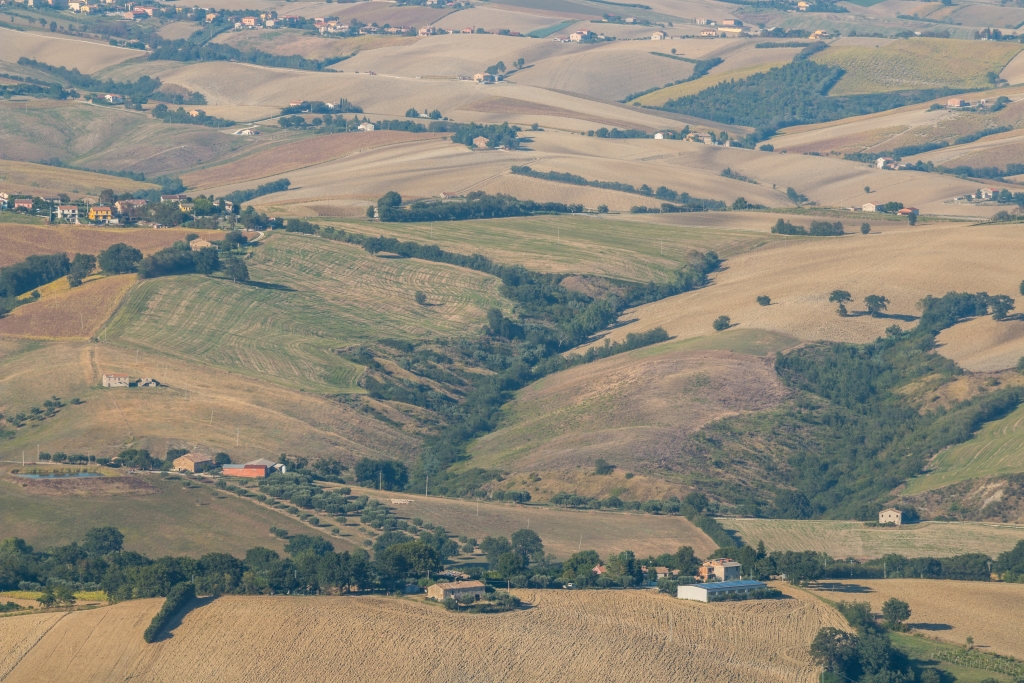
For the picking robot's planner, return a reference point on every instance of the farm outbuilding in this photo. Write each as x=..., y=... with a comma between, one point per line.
x=115, y=380
x=193, y=462
x=456, y=589
x=720, y=569
x=707, y=592
x=890, y=516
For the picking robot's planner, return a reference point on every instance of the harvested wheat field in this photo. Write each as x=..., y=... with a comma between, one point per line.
x=294, y=155
x=563, y=531
x=75, y=53
x=564, y=635
x=634, y=409
x=843, y=539
x=902, y=264
x=200, y=405
x=21, y=240
x=983, y=344
x=19, y=634
x=989, y=612
x=68, y=314
x=20, y=176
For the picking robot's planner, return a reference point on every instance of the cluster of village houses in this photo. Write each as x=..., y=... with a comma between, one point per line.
x=86, y=211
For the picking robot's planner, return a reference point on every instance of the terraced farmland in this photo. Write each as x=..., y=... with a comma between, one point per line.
x=996, y=449
x=853, y=539
x=308, y=297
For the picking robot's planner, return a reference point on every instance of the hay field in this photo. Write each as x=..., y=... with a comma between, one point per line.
x=87, y=56
x=903, y=264
x=178, y=30
x=158, y=518
x=497, y=17
x=62, y=315
x=587, y=71
x=22, y=240
x=635, y=410
x=309, y=297
x=453, y=55
x=197, y=405
x=385, y=94
x=19, y=636
x=23, y=177
x=989, y=612
x=614, y=247
x=994, y=450
x=918, y=63
x=565, y=635
x=996, y=150
x=560, y=529
x=293, y=155
x=842, y=539
x=983, y=344
x=1013, y=72
x=297, y=42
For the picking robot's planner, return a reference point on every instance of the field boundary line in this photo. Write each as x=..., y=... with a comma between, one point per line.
x=5, y=674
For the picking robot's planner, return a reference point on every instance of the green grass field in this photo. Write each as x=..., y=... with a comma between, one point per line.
x=628, y=249
x=917, y=63
x=843, y=539
x=170, y=521
x=996, y=449
x=924, y=650
x=309, y=297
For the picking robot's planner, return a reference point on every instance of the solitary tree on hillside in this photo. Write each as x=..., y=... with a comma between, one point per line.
x=865, y=228
x=1022, y=287
x=1001, y=306
x=236, y=269
x=876, y=303
x=867, y=189
x=895, y=612
x=841, y=297
x=119, y=258
x=421, y=298
x=722, y=322
x=764, y=300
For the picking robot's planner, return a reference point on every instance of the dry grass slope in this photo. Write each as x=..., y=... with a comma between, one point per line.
x=309, y=297
x=70, y=313
x=563, y=531
x=21, y=240
x=989, y=612
x=853, y=539
x=566, y=635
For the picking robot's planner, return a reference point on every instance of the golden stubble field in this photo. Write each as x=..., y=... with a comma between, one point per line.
x=22, y=240
x=988, y=612
x=87, y=56
x=904, y=264
x=35, y=179
x=564, y=635
x=563, y=531
x=69, y=313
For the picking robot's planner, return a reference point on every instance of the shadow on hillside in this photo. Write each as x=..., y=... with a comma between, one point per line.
x=889, y=316
x=194, y=603
x=269, y=285
x=843, y=587
x=930, y=627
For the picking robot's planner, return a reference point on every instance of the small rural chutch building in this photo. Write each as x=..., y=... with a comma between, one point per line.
x=707, y=592
x=193, y=462
x=890, y=516
x=456, y=589
x=115, y=380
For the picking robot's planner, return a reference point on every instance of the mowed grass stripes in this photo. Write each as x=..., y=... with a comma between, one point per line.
x=308, y=297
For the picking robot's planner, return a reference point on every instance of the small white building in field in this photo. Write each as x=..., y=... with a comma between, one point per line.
x=115, y=380
x=707, y=592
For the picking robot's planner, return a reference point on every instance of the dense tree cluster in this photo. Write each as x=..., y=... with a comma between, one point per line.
x=793, y=94
x=818, y=228
x=179, y=115
x=475, y=205
x=196, y=49
x=136, y=91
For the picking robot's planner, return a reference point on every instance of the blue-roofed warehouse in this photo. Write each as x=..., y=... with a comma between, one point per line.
x=706, y=592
